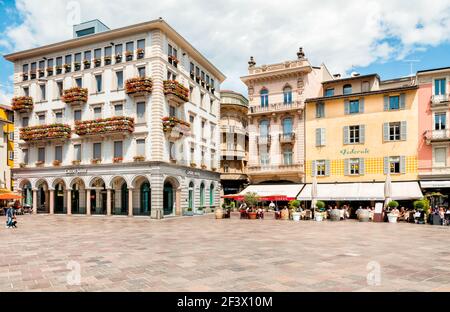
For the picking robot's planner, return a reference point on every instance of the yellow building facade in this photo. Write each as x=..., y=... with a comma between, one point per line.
x=362, y=128
x=6, y=146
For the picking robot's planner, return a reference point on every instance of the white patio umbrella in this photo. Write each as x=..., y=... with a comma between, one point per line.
x=387, y=189
x=314, y=193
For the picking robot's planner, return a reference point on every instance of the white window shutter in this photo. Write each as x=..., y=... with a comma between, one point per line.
x=362, y=134
x=327, y=168
x=386, y=165
x=361, y=105
x=318, y=138
x=323, y=136
x=313, y=168
x=402, y=164
x=346, y=167
x=386, y=102
x=402, y=101
x=347, y=107
x=362, y=167
x=346, y=139
x=386, y=132
x=403, y=130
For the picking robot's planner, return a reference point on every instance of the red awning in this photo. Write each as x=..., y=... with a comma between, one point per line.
x=9, y=196
x=235, y=197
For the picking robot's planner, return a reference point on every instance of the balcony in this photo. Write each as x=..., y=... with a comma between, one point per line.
x=440, y=101
x=287, y=138
x=75, y=96
x=234, y=129
x=277, y=108
x=434, y=172
x=264, y=140
x=102, y=127
x=434, y=136
x=176, y=92
x=233, y=153
x=140, y=86
x=46, y=132
x=22, y=104
x=175, y=128
x=298, y=168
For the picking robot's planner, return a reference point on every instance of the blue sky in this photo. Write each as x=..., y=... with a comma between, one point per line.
x=371, y=36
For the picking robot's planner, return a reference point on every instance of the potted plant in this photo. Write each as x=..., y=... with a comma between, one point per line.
x=294, y=205
x=204, y=166
x=33, y=74
x=193, y=164
x=67, y=67
x=200, y=211
x=56, y=163
x=107, y=60
x=129, y=55
x=39, y=163
x=319, y=214
x=118, y=58
x=219, y=213
x=25, y=76
x=49, y=71
x=76, y=162
x=41, y=73
x=87, y=64
x=251, y=199
x=117, y=160
x=140, y=53
x=363, y=215
x=214, y=169
x=22, y=165
x=335, y=215
x=189, y=212
x=393, y=215
x=422, y=206
x=95, y=161
x=138, y=158
x=77, y=66
x=97, y=62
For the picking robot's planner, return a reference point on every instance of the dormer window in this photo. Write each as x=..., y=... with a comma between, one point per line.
x=347, y=89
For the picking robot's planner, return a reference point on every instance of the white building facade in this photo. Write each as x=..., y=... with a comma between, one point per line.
x=91, y=141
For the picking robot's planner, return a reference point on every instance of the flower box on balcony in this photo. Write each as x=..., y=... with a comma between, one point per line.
x=77, y=66
x=176, y=91
x=97, y=62
x=22, y=165
x=56, y=163
x=105, y=126
x=193, y=164
x=129, y=55
x=58, y=69
x=138, y=86
x=41, y=73
x=214, y=169
x=45, y=132
x=76, y=162
x=67, y=68
x=173, y=60
x=49, y=71
x=87, y=64
x=175, y=128
x=107, y=60
x=39, y=164
x=204, y=166
x=22, y=104
x=96, y=161
x=140, y=53
x=33, y=74
x=75, y=96
x=117, y=160
x=138, y=158
x=118, y=58
x=192, y=75
x=24, y=76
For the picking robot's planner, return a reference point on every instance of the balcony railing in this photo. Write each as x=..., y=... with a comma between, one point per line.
x=264, y=139
x=233, y=153
x=234, y=129
x=139, y=86
x=276, y=168
x=176, y=92
x=277, y=107
x=439, y=100
x=45, y=132
x=75, y=96
x=286, y=138
x=105, y=126
x=175, y=128
x=435, y=170
x=437, y=135
x=22, y=104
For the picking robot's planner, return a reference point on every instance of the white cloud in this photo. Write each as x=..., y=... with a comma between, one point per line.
x=341, y=34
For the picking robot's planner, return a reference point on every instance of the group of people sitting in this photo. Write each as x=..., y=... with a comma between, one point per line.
x=245, y=210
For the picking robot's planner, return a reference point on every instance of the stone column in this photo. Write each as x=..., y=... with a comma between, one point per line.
x=178, y=202
x=69, y=202
x=88, y=202
x=157, y=196
x=108, y=202
x=52, y=201
x=35, y=203
x=130, y=202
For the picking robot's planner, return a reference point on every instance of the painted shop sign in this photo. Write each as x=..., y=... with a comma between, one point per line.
x=354, y=151
x=192, y=173
x=76, y=171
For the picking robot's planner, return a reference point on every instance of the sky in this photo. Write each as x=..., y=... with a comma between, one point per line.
x=370, y=36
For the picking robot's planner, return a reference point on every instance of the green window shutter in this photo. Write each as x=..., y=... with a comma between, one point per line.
x=362, y=134
x=327, y=168
x=313, y=168
x=402, y=164
x=361, y=105
x=386, y=132
x=318, y=139
x=346, y=107
x=362, y=167
x=346, y=138
x=386, y=165
x=403, y=130
x=386, y=102
x=402, y=101
x=322, y=137
x=346, y=167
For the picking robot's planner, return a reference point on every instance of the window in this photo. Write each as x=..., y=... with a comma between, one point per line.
x=394, y=131
x=354, y=107
x=11, y=136
x=439, y=87
x=119, y=79
x=287, y=126
x=77, y=152
x=43, y=93
x=140, y=111
x=192, y=153
x=320, y=137
x=97, y=54
x=26, y=91
x=59, y=89
x=50, y=63
x=191, y=120
x=347, y=89
x=264, y=98
x=320, y=110
x=77, y=114
x=365, y=86
x=41, y=154
x=440, y=121
x=191, y=68
x=320, y=168
x=41, y=119
x=172, y=111
x=58, y=117
x=172, y=150
x=87, y=56
x=130, y=46
x=58, y=153
x=98, y=83
x=203, y=129
x=171, y=76
x=79, y=82
x=97, y=151
x=141, y=72
x=394, y=102
x=25, y=156
x=77, y=60
x=118, y=110
x=394, y=164
x=264, y=128
x=25, y=69
x=59, y=61
x=68, y=60
x=287, y=156
x=354, y=166
x=108, y=51
x=25, y=121
x=11, y=155
x=140, y=147
x=118, y=149
x=97, y=112
x=287, y=95
x=440, y=157
x=213, y=130
x=118, y=50
x=353, y=134
x=264, y=158
x=329, y=92
x=141, y=44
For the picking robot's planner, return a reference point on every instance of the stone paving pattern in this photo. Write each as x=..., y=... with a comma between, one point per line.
x=203, y=254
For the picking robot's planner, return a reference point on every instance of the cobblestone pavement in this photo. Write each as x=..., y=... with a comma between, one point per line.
x=204, y=254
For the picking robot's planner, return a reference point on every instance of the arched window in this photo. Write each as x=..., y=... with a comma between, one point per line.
x=202, y=195
x=211, y=195
x=287, y=95
x=264, y=97
x=287, y=126
x=347, y=89
x=264, y=128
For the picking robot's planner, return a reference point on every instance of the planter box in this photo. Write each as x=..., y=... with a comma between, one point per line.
x=392, y=218
x=296, y=216
x=200, y=212
x=188, y=213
